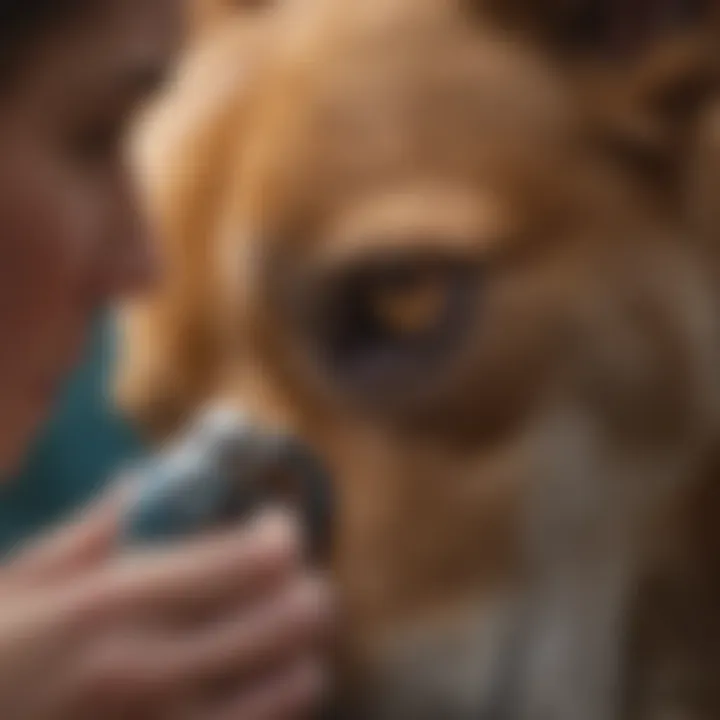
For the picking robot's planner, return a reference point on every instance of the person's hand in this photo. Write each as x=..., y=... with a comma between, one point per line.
x=227, y=626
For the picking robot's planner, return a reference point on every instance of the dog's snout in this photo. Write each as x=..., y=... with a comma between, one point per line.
x=223, y=471
x=279, y=469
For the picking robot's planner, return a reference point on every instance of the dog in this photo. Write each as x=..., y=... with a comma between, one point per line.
x=467, y=251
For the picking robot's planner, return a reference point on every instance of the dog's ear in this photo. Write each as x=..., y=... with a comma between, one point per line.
x=185, y=147
x=648, y=115
x=598, y=29
x=644, y=70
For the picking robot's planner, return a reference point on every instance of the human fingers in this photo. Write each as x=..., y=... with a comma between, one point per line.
x=138, y=668
x=290, y=694
x=76, y=545
x=246, y=642
x=197, y=577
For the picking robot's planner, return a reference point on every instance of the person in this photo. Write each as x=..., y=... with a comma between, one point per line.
x=77, y=453
x=230, y=625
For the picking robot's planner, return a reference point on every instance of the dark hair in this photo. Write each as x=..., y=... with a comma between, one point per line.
x=25, y=22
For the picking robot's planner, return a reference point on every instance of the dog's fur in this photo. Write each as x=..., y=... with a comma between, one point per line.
x=528, y=520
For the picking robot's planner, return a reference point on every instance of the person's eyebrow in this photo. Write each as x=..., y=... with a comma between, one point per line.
x=142, y=77
x=149, y=79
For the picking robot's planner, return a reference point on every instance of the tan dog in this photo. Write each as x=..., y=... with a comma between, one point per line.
x=475, y=270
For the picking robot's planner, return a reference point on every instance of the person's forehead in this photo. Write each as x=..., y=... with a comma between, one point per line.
x=133, y=31
x=119, y=42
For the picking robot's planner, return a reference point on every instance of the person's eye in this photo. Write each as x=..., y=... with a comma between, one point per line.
x=98, y=142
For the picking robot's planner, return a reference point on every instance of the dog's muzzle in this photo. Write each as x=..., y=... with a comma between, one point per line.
x=221, y=472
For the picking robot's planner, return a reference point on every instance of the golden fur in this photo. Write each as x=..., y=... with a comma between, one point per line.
x=528, y=524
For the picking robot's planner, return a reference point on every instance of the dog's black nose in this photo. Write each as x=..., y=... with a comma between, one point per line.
x=220, y=473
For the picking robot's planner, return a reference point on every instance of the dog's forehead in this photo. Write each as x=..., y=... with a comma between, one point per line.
x=410, y=94
x=397, y=53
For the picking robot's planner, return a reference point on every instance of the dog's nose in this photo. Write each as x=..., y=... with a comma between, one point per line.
x=222, y=471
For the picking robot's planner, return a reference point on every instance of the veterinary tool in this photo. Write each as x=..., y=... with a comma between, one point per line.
x=221, y=472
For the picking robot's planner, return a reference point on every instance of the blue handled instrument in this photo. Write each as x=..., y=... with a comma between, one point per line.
x=222, y=472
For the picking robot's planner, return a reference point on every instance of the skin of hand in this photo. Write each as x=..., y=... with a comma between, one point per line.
x=226, y=626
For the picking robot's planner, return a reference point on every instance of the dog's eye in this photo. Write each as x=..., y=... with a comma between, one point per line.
x=386, y=323
x=411, y=306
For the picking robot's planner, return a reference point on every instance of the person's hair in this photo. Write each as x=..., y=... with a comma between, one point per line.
x=23, y=23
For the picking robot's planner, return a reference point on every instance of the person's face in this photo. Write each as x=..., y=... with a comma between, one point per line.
x=70, y=236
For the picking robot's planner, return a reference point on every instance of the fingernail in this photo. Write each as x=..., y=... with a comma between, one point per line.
x=277, y=531
x=312, y=600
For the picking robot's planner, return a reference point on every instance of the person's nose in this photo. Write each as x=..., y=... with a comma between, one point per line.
x=131, y=263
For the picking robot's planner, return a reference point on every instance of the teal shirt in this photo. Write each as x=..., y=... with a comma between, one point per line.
x=78, y=452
